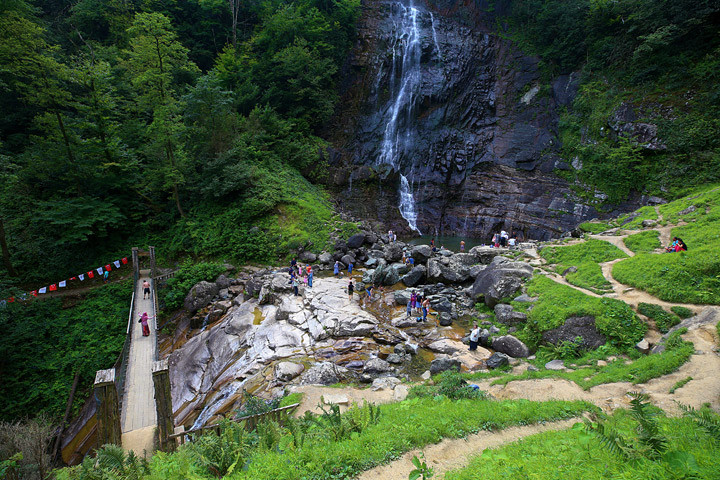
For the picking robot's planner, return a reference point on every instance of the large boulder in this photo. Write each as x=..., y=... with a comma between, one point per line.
x=393, y=252
x=402, y=297
x=325, y=258
x=286, y=371
x=504, y=313
x=511, y=346
x=324, y=373
x=222, y=282
x=486, y=255
x=200, y=296
x=385, y=275
x=441, y=305
x=415, y=276
x=307, y=257
x=356, y=241
x=377, y=366
x=348, y=259
x=500, y=279
x=421, y=253
x=446, y=346
x=447, y=270
x=583, y=327
x=497, y=360
x=441, y=364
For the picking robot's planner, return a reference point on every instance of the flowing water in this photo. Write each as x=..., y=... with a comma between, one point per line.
x=398, y=117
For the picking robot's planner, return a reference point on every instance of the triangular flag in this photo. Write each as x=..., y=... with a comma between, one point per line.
x=73, y=278
x=11, y=299
x=124, y=260
x=99, y=270
x=81, y=277
x=117, y=263
x=91, y=274
x=53, y=287
x=62, y=284
x=108, y=267
x=42, y=290
x=34, y=293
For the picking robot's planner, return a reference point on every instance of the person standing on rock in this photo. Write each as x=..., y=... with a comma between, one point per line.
x=462, y=246
x=295, y=286
x=350, y=267
x=425, y=308
x=350, y=290
x=413, y=300
x=146, y=289
x=310, y=276
x=390, y=236
x=336, y=268
x=474, y=337
x=409, y=309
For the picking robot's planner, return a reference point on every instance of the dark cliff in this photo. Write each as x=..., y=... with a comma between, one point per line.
x=479, y=134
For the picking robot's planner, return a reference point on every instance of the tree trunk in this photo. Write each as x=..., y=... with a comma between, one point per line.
x=5, y=252
x=66, y=139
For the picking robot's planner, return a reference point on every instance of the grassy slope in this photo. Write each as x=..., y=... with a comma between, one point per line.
x=613, y=318
x=643, y=242
x=571, y=455
x=585, y=257
x=685, y=277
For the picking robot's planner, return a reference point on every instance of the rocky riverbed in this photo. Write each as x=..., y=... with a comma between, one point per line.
x=251, y=333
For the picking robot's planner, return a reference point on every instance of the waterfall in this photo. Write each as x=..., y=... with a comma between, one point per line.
x=398, y=118
x=437, y=46
x=407, y=203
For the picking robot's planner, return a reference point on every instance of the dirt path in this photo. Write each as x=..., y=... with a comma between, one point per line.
x=452, y=454
x=312, y=394
x=617, y=240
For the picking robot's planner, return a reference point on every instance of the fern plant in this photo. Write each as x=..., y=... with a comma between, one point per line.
x=705, y=419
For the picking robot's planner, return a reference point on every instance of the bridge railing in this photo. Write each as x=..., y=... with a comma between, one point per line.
x=122, y=362
x=250, y=422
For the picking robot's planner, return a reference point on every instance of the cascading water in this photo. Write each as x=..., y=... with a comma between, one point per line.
x=398, y=117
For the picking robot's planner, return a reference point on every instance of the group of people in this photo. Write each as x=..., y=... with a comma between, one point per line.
x=677, y=245
x=420, y=303
x=504, y=240
x=300, y=274
x=392, y=237
x=337, y=267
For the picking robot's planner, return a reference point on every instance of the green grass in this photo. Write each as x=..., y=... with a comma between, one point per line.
x=613, y=318
x=643, y=213
x=643, y=242
x=683, y=277
x=594, y=227
x=585, y=257
x=573, y=455
x=314, y=454
x=682, y=312
x=663, y=320
x=680, y=383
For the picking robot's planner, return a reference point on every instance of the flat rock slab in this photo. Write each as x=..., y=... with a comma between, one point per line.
x=337, y=399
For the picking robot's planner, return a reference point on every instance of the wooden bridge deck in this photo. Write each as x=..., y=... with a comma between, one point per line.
x=138, y=416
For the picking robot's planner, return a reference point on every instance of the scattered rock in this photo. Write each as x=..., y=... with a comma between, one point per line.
x=505, y=314
x=643, y=346
x=569, y=270
x=400, y=393
x=445, y=319
x=649, y=223
x=377, y=366
x=324, y=373
x=497, y=360
x=356, y=241
x=426, y=375
x=525, y=298
x=336, y=399
x=441, y=364
x=555, y=365
x=395, y=358
x=286, y=371
x=446, y=346
x=200, y=296
x=385, y=383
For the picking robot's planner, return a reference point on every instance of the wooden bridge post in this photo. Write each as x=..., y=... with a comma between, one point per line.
x=163, y=405
x=152, y=262
x=108, y=410
x=136, y=262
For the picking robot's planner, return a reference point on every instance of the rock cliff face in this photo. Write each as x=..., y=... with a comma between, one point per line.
x=447, y=125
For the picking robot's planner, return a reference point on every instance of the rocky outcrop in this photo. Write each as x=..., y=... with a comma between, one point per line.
x=574, y=327
x=415, y=276
x=483, y=133
x=504, y=313
x=500, y=279
x=200, y=296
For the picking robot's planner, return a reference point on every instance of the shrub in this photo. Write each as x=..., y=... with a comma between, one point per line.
x=682, y=312
x=173, y=295
x=664, y=320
